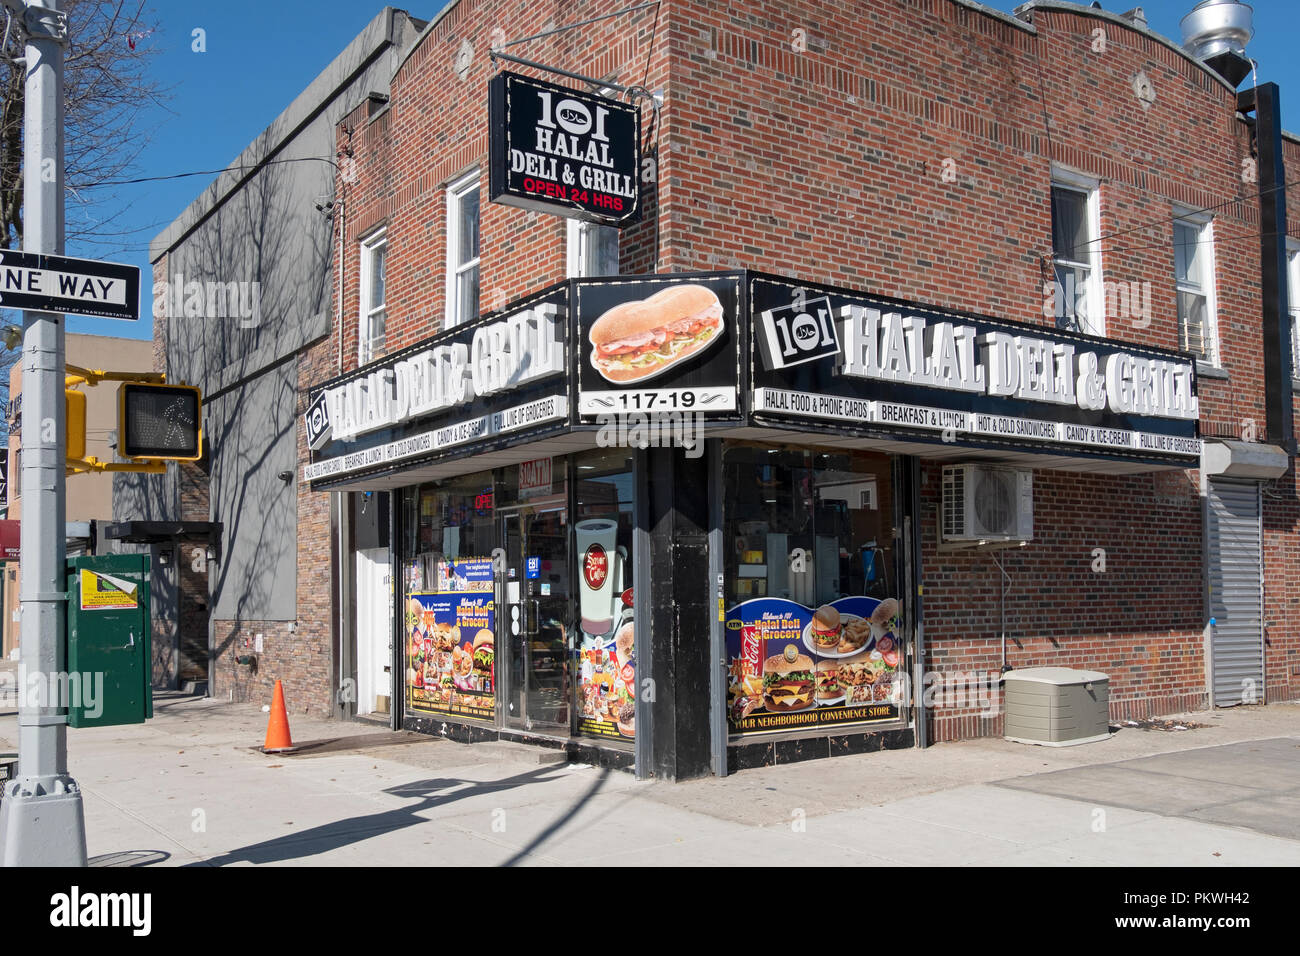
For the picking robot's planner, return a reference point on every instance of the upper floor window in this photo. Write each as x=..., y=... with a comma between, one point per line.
x=370, y=330
x=1194, y=284
x=1293, y=301
x=462, y=250
x=593, y=249
x=1076, y=254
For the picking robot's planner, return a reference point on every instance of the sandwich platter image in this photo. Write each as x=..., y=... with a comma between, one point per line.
x=832, y=633
x=658, y=345
x=791, y=666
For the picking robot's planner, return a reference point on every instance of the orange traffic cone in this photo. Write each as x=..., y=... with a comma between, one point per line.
x=277, y=728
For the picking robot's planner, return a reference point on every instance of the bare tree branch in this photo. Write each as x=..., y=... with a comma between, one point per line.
x=107, y=89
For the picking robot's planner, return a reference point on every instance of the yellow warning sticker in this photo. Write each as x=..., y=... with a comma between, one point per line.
x=101, y=592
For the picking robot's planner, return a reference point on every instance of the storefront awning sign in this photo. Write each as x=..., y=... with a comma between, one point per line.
x=744, y=349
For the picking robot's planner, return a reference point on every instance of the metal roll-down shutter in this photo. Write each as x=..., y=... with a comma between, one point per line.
x=1236, y=594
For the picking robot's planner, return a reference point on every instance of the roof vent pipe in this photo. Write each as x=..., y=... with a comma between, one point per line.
x=1216, y=32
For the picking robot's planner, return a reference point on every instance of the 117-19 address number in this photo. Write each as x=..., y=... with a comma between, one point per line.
x=662, y=399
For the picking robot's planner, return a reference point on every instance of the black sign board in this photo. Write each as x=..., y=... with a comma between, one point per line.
x=487, y=384
x=562, y=151
x=847, y=362
x=659, y=345
x=76, y=286
x=317, y=422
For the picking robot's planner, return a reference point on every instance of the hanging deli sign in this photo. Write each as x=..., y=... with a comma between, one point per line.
x=562, y=151
x=491, y=376
x=658, y=345
x=824, y=355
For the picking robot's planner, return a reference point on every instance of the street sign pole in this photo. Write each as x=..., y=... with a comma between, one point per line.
x=42, y=823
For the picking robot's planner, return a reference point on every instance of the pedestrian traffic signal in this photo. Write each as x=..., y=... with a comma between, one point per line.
x=159, y=422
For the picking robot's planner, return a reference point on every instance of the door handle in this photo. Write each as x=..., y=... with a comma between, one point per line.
x=131, y=642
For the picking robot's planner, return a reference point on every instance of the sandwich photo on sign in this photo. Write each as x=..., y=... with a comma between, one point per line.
x=659, y=344
x=639, y=340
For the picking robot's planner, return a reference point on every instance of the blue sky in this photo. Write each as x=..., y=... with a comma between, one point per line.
x=260, y=55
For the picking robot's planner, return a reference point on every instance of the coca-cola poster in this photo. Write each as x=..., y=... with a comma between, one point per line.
x=793, y=667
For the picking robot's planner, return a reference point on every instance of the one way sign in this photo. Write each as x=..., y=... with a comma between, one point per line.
x=59, y=284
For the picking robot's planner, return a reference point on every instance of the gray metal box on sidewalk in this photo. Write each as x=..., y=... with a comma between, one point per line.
x=1056, y=706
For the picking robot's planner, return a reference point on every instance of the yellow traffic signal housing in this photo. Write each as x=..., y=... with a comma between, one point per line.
x=74, y=404
x=159, y=422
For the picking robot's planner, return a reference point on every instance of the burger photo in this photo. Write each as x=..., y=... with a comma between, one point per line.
x=825, y=628
x=626, y=719
x=624, y=645
x=828, y=681
x=788, y=681
x=484, y=651
x=882, y=618
x=641, y=339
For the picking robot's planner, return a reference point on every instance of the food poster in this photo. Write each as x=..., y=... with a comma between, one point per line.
x=450, y=645
x=607, y=683
x=792, y=667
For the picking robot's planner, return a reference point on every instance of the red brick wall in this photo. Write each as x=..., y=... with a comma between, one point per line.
x=823, y=154
x=1282, y=524
x=435, y=130
x=1139, y=620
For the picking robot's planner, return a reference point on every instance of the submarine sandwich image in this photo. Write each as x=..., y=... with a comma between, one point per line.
x=641, y=339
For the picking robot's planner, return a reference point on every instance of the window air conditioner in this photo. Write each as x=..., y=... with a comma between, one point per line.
x=986, y=504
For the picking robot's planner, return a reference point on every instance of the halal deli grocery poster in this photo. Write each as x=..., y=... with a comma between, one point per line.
x=450, y=643
x=785, y=675
x=659, y=347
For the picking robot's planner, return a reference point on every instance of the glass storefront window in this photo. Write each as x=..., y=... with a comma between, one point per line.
x=539, y=554
x=814, y=634
x=450, y=598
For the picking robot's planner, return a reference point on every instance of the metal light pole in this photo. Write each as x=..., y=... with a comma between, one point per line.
x=42, y=823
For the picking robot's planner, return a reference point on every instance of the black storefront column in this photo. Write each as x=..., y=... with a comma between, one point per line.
x=676, y=512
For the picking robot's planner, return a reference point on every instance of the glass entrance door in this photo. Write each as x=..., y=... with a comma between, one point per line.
x=536, y=616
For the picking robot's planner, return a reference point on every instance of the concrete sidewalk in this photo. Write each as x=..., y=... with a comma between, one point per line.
x=189, y=788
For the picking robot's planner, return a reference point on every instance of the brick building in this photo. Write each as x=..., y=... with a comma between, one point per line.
x=1038, y=242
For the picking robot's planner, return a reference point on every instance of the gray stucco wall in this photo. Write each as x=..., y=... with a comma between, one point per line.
x=253, y=253
x=254, y=425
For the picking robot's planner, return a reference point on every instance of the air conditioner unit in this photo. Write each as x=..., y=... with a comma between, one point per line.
x=987, y=504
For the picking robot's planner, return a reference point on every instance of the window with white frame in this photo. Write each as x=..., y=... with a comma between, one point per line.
x=1293, y=301
x=1076, y=254
x=593, y=249
x=1194, y=285
x=370, y=334
x=462, y=250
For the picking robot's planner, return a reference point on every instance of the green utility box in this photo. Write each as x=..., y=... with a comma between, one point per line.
x=109, y=679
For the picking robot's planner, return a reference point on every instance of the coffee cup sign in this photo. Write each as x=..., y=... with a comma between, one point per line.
x=601, y=567
x=595, y=567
